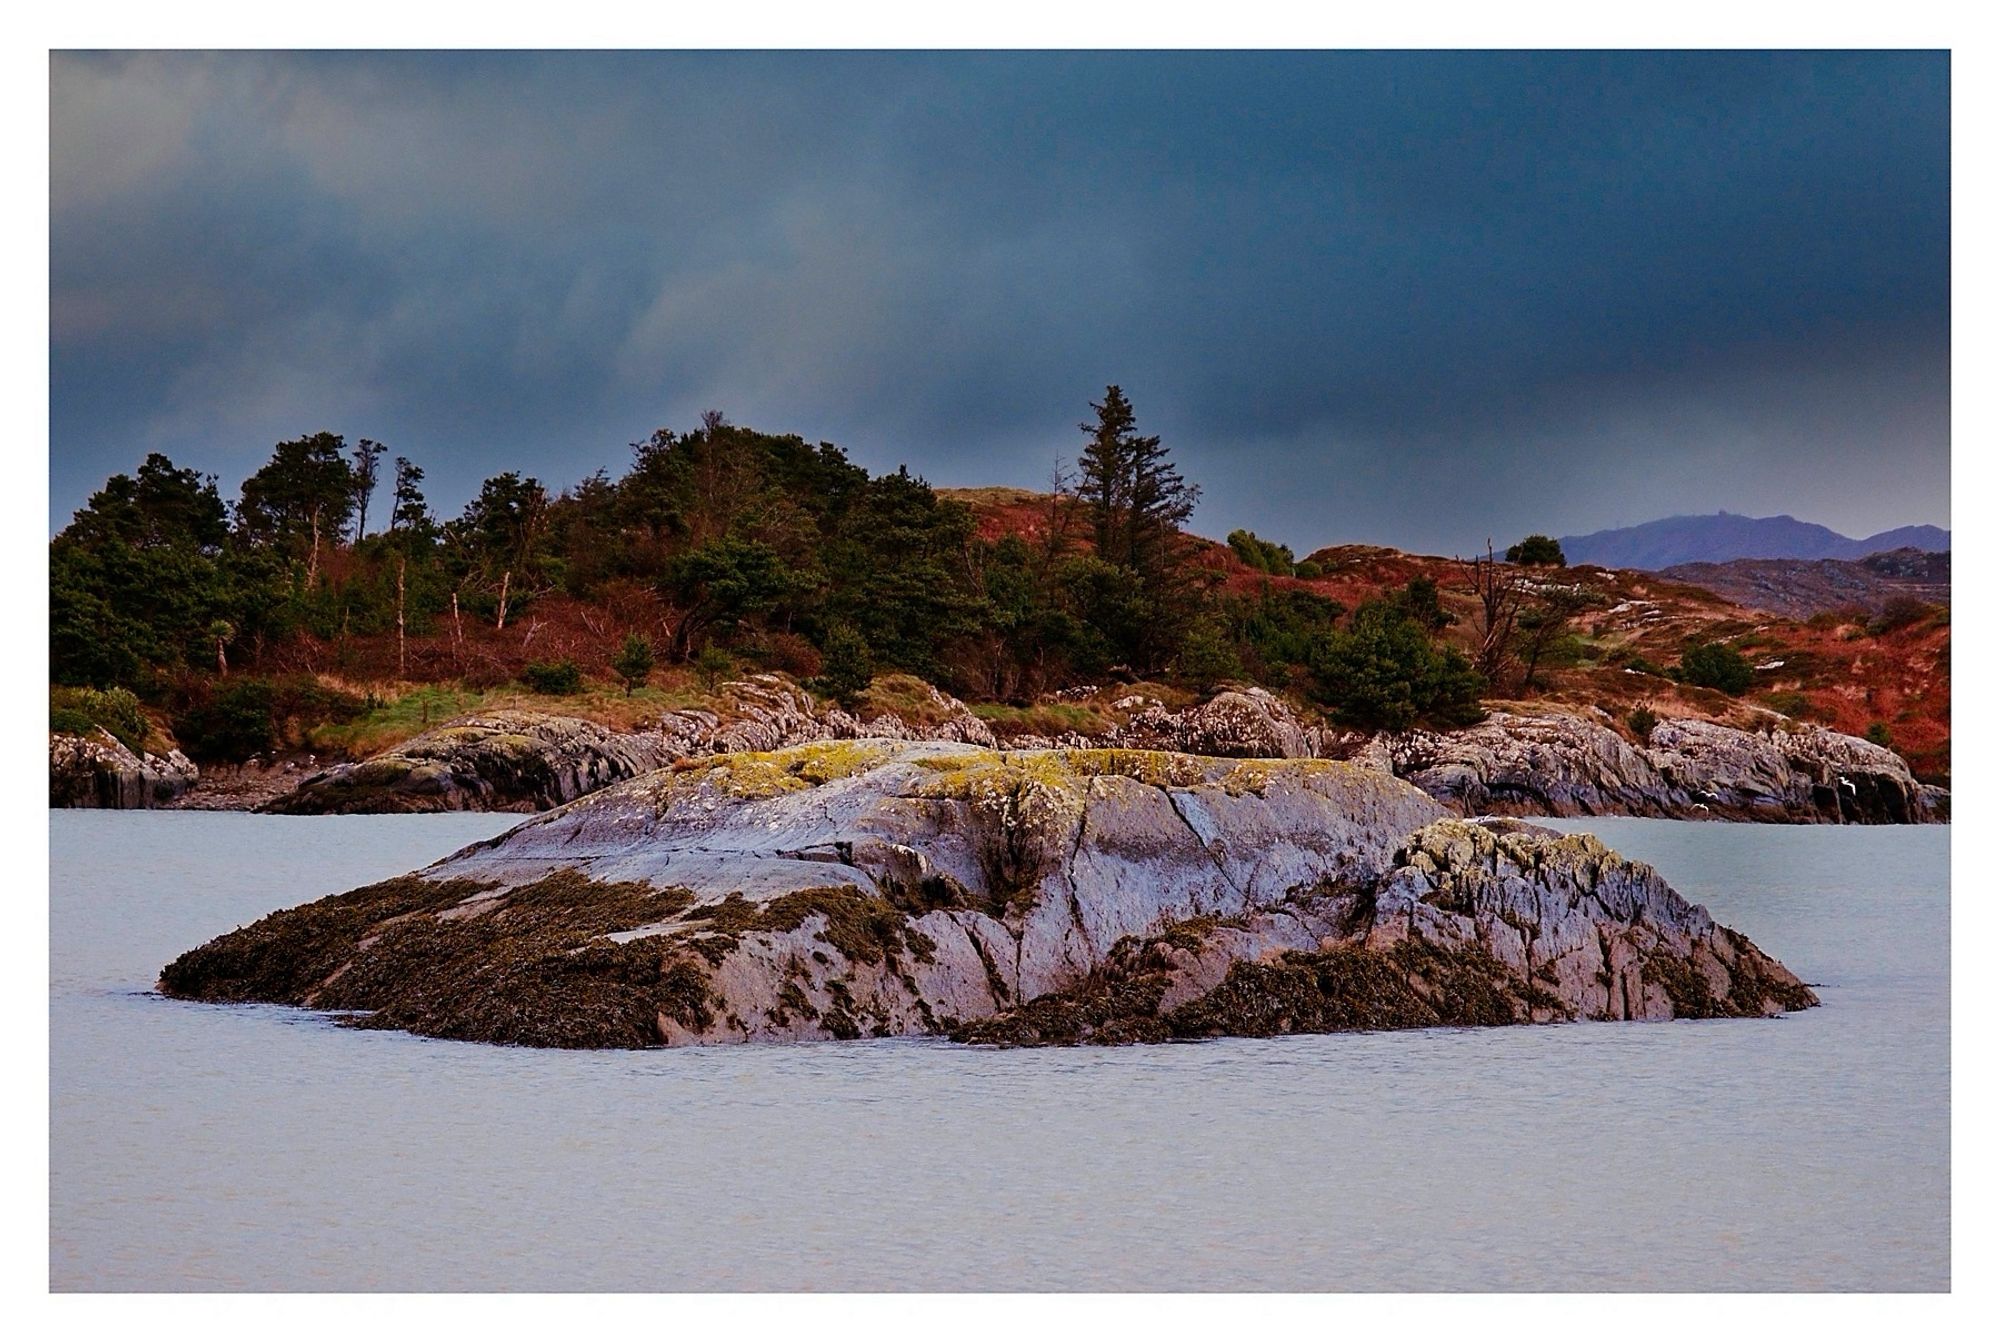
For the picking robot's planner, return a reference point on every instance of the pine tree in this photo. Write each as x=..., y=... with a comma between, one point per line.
x=411, y=513
x=367, y=454
x=634, y=662
x=1105, y=474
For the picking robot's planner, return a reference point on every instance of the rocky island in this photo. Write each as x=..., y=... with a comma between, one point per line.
x=875, y=887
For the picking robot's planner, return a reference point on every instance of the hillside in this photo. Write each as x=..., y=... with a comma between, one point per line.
x=1719, y=538
x=1836, y=667
x=279, y=623
x=1802, y=588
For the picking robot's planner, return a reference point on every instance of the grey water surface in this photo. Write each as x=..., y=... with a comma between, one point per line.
x=260, y=1148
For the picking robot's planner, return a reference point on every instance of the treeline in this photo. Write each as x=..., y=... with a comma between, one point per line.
x=722, y=546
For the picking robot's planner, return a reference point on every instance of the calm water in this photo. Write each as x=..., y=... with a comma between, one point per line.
x=262, y=1148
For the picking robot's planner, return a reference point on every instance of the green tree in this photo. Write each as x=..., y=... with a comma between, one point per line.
x=848, y=669
x=1536, y=551
x=1262, y=555
x=501, y=533
x=411, y=514
x=634, y=662
x=367, y=458
x=1384, y=673
x=721, y=584
x=300, y=500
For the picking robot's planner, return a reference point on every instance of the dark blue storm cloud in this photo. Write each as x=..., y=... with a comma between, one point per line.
x=1407, y=298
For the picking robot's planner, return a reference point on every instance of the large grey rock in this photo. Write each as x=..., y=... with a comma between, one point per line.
x=521, y=760
x=884, y=887
x=1569, y=765
x=100, y=771
x=1245, y=723
x=510, y=760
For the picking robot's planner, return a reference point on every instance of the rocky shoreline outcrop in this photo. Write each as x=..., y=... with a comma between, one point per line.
x=1573, y=765
x=509, y=760
x=99, y=771
x=1518, y=763
x=519, y=760
x=876, y=887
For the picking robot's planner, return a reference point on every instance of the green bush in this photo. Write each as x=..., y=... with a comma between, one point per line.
x=563, y=677
x=1536, y=551
x=234, y=719
x=1308, y=568
x=713, y=665
x=1878, y=734
x=1791, y=703
x=634, y=661
x=81, y=711
x=1384, y=673
x=848, y=667
x=1642, y=720
x=1716, y=666
x=1899, y=612
x=1260, y=554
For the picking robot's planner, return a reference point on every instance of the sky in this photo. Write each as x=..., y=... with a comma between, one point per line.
x=1398, y=298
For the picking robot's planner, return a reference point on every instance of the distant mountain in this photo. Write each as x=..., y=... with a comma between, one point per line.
x=1717, y=538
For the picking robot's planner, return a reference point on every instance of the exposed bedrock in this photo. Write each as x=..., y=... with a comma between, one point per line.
x=99, y=771
x=877, y=887
x=1561, y=764
x=522, y=760
x=511, y=760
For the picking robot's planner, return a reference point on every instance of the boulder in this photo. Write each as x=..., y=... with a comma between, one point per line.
x=100, y=771
x=879, y=887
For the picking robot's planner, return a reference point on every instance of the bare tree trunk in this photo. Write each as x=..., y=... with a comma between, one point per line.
x=1499, y=607
x=457, y=633
x=312, y=560
x=505, y=578
x=402, y=563
x=221, y=657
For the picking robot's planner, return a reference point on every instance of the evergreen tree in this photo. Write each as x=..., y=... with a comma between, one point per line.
x=300, y=500
x=411, y=513
x=1104, y=473
x=367, y=456
x=634, y=662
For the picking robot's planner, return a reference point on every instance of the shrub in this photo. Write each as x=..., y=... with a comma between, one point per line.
x=712, y=664
x=1899, y=612
x=848, y=667
x=790, y=653
x=1878, y=734
x=634, y=661
x=234, y=719
x=1260, y=554
x=1383, y=672
x=563, y=677
x=1716, y=666
x=1645, y=666
x=1537, y=551
x=1208, y=657
x=1642, y=720
x=1791, y=703
x=81, y=711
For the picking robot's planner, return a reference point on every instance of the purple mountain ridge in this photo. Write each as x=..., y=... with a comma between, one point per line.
x=1717, y=538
